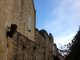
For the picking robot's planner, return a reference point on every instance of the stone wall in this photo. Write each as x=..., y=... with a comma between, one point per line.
x=45, y=42
x=55, y=49
x=21, y=48
x=40, y=40
x=15, y=12
x=21, y=9
x=25, y=44
x=48, y=40
x=51, y=41
x=5, y=8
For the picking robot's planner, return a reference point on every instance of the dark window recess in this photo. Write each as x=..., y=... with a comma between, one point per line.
x=44, y=53
x=29, y=30
x=35, y=34
x=24, y=27
x=12, y=31
x=48, y=58
x=35, y=47
x=23, y=47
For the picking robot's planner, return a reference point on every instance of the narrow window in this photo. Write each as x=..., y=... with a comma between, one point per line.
x=24, y=27
x=48, y=58
x=29, y=23
x=44, y=53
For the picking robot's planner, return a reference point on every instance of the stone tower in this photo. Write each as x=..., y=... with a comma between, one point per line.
x=20, y=13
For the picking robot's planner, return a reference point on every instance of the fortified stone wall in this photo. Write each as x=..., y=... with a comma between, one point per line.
x=40, y=53
x=39, y=38
x=23, y=45
x=55, y=49
x=16, y=12
x=51, y=42
x=5, y=15
x=21, y=9
x=47, y=39
x=45, y=42
x=21, y=48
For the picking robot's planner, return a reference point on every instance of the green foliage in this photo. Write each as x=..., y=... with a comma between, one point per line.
x=74, y=48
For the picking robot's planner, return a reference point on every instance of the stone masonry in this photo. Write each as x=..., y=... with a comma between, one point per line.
x=15, y=12
x=46, y=42
x=21, y=47
x=19, y=37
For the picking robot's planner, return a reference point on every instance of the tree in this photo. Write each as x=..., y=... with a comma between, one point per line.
x=56, y=57
x=73, y=48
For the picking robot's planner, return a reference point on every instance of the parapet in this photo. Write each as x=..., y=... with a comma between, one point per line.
x=43, y=32
x=55, y=45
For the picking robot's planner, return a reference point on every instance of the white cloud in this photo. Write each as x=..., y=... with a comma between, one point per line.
x=68, y=9
x=65, y=18
x=64, y=39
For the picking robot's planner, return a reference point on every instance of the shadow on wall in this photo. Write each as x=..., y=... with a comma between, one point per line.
x=12, y=30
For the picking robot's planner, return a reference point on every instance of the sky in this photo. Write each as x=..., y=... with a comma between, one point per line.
x=59, y=17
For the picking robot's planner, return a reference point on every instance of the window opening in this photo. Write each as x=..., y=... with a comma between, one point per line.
x=24, y=27
x=29, y=23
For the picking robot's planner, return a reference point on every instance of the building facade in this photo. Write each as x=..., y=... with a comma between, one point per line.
x=20, y=47
x=19, y=13
x=19, y=37
x=45, y=41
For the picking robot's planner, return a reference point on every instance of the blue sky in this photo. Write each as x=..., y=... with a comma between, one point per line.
x=59, y=17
